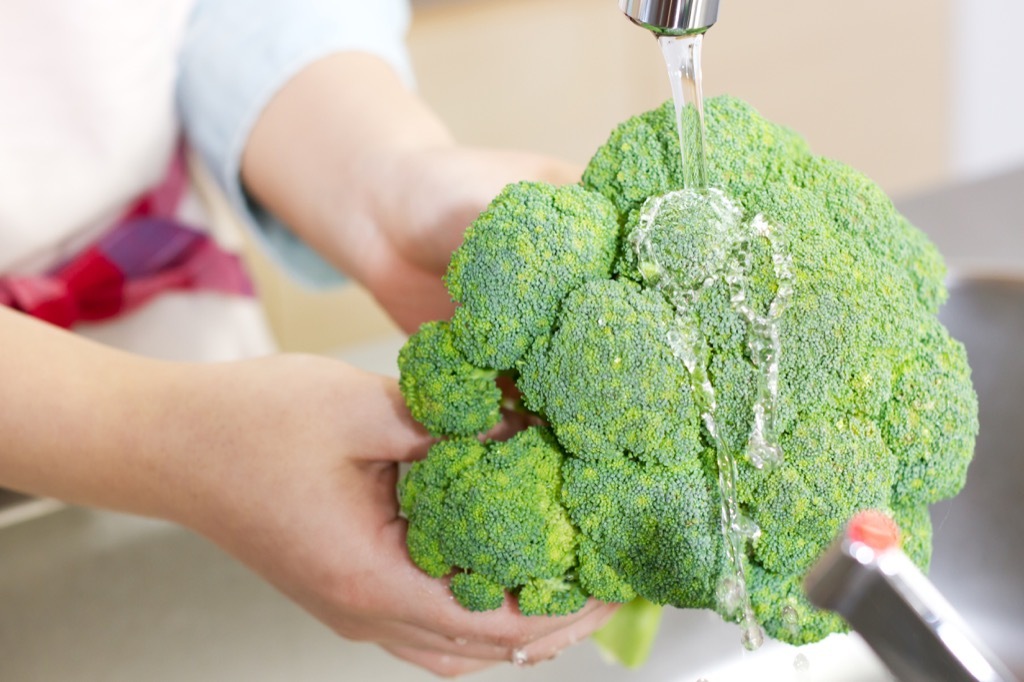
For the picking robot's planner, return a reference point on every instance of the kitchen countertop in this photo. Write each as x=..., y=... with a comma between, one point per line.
x=978, y=226
x=87, y=595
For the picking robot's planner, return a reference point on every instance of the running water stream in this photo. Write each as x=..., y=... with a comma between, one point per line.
x=729, y=259
x=683, y=60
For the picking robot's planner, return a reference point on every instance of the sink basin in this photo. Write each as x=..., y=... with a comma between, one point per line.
x=978, y=559
x=95, y=595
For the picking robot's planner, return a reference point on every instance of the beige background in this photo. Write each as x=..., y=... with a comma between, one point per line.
x=870, y=87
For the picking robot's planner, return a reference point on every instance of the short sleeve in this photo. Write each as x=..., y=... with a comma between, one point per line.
x=236, y=54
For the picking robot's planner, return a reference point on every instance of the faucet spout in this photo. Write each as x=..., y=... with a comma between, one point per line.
x=672, y=17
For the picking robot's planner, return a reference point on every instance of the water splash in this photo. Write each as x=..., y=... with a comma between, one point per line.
x=764, y=341
x=729, y=257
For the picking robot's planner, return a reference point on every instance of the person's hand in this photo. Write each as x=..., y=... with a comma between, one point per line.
x=295, y=476
x=422, y=205
x=288, y=462
x=363, y=171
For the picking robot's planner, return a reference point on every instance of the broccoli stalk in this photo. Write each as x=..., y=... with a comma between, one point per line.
x=627, y=639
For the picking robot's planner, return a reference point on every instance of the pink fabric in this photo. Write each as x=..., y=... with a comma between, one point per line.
x=146, y=253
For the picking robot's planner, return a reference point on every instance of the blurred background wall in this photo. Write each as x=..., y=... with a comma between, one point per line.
x=987, y=86
x=914, y=93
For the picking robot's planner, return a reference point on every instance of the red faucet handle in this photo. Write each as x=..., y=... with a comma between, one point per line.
x=874, y=529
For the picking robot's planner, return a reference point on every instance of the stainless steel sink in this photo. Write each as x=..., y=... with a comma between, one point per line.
x=978, y=559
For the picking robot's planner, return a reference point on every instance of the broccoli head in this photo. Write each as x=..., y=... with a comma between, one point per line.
x=670, y=340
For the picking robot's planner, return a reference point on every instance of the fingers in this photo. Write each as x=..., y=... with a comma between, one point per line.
x=509, y=628
x=444, y=665
x=397, y=634
x=553, y=644
x=468, y=657
x=383, y=429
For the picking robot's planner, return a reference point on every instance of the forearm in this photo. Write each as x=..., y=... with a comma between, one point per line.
x=81, y=422
x=328, y=145
x=365, y=172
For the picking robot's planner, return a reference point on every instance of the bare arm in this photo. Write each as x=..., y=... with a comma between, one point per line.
x=77, y=418
x=364, y=171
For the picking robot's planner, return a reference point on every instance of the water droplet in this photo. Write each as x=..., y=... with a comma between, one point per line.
x=601, y=322
x=746, y=527
x=752, y=637
x=790, y=619
x=617, y=361
x=460, y=641
x=730, y=595
x=520, y=658
x=801, y=664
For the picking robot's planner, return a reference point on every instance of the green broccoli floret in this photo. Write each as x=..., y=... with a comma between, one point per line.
x=915, y=524
x=858, y=205
x=423, y=497
x=533, y=245
x=494, y=511
x=784, y=611
x=444, y=392
x=800, y=507
x=551, y=597
x=599, y=579
x=658, y=332
x=656, y=526
x=932, y=418
x=640, y=160
x=476, y=592
x=616, y=331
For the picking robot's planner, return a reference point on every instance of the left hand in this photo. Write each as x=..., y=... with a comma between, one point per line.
x=289, y=463
x=422, y=215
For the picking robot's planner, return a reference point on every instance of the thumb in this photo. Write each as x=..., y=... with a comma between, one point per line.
x=384, y=431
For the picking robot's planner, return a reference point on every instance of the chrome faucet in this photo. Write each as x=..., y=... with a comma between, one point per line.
x=672, y=17
x=897, y=611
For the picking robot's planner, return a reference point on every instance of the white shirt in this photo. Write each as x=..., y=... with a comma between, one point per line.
x=90, y=95
x=88, y=117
